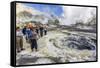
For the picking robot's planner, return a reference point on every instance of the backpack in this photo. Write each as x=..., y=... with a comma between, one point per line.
x=30, y=35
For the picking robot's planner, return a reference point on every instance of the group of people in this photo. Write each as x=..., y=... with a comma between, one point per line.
x=31, y=34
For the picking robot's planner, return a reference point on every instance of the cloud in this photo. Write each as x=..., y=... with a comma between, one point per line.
x=22, y=7
x=73, y=13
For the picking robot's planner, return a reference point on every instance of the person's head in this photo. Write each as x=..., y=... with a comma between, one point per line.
x=17, y=28
x=27, y=26
x=33, y=28
x=24, y=26
x=41, y=25
x=37, y=26
x=44, y=25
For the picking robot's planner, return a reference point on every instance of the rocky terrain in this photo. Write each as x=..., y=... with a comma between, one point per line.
x=59, y=47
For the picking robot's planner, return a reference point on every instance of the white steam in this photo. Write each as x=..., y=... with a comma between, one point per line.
x=73, y=13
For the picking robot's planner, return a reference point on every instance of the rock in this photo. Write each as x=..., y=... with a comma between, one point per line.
x=44, y=61
x=58, y=48
x=79, y=42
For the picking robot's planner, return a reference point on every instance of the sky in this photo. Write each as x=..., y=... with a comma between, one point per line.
x=69, y=14
x=53, y=9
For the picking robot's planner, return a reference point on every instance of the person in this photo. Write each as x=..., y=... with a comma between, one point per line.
x=24, y=30
x=33, y=39
x=28, y=31
x=41, y=30
x=37, y=30
x=45, y=30
x=19, y=40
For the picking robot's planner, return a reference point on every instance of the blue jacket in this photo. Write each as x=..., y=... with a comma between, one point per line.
x=29, y=33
